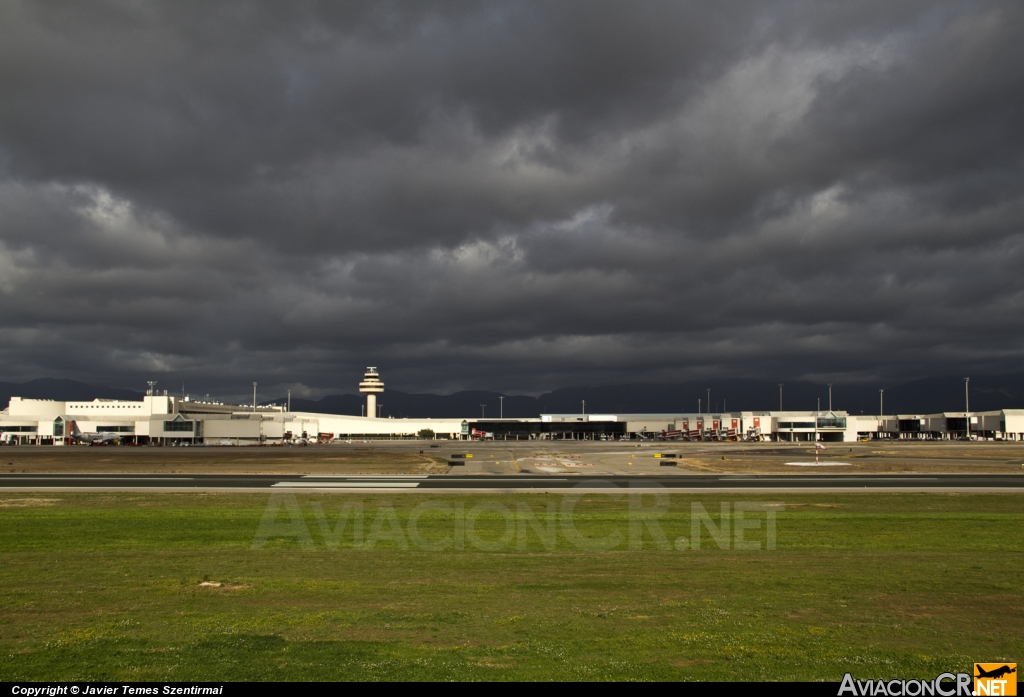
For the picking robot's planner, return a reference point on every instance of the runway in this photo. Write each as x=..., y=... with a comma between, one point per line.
x=524, y=482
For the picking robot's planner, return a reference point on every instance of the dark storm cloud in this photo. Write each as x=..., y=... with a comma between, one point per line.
x=510, y=195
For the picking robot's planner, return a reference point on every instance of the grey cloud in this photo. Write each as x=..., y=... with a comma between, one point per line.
x=511, y=195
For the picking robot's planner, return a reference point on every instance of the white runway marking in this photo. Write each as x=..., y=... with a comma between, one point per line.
x=819, y=464
x=347, y=485
x=365, y=476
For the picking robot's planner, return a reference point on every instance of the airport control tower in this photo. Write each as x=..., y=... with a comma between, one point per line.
x=371, y=386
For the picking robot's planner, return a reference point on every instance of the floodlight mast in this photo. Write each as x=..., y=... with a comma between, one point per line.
x=967, y=406
x=881, y=411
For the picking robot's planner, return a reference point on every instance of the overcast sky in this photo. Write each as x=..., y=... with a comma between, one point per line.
x=511, y=195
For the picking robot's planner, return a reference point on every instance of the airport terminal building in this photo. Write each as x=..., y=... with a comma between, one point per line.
x=784, y=426
x=168, y=420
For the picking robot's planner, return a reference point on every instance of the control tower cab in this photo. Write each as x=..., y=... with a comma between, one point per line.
x=371, y=386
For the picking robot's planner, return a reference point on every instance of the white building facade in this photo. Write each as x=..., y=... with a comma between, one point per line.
x=166, y=420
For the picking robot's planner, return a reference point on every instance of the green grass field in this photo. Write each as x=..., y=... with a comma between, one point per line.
x=107, y=587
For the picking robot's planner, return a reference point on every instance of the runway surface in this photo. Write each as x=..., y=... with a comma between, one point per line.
x=511, y=483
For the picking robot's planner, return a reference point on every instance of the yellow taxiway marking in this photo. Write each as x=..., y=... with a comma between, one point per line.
x=608, y=464
x=554, y=457
x=514, y=461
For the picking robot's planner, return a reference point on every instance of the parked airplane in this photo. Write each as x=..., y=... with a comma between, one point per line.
x=480, y=434
x=91, y=438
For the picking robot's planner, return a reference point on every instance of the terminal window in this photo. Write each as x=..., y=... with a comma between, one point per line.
x=832, y=422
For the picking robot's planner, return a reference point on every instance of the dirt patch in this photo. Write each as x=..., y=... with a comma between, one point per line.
x=924, y=457
x=488, y=662
x=27, y=503
x=225, y=586
x=322, y=459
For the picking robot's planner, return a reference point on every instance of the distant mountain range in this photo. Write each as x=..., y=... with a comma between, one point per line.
x=62, y=390
x=918, y=396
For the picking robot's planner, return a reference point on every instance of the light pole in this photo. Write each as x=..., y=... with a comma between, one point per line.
x=152, y=393
x=583, y=409
x=501, y=407
x=483, y=410
x=709, y=400
x=830, y=396
x=967, y=406
x=881, y=408
x=380, y=408
x=289, y=400
x=254, y=398
x=780, y=395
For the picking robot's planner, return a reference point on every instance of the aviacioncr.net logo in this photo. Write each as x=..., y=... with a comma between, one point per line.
x=945, y=685
x=995, y=679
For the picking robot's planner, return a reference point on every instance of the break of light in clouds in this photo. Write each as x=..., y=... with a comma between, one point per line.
x=508, y=195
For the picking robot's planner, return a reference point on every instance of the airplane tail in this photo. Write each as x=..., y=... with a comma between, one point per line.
x=75, y=432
